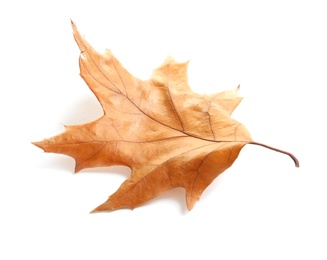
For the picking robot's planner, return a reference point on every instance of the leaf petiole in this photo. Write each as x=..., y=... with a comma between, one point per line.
x=296, y=161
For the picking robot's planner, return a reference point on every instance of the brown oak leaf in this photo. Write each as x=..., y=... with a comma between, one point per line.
x=169, y=136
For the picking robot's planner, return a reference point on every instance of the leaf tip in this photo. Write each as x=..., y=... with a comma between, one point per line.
x=78, y=168
x=73, y=24
x=101, y=208
x=38, y=144
x=94, y=211
x=190, y=201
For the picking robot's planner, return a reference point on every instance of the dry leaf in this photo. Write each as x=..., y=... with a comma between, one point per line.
x=169, y=136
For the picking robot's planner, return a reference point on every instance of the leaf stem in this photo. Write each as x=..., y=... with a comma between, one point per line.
x=296, y=161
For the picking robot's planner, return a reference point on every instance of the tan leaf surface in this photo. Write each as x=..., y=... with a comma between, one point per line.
x=169, y=136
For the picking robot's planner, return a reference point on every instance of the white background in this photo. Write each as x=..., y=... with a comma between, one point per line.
x=261, y=208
